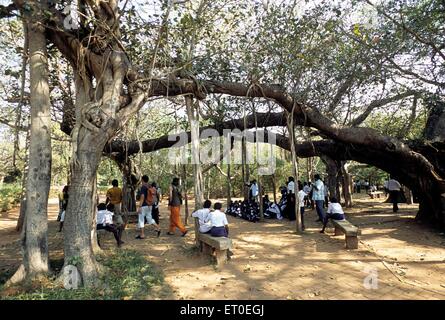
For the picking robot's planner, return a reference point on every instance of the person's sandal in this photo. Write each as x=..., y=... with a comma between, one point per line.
x=139, y=237
x=183, y=235
x=170, y=234
x=159, y=233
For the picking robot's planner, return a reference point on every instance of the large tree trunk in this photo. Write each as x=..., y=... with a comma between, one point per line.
x=79, y=219
x=21, y=220
x=35, y=234
x=131, y=177
x=193, y=117
x=346, y=184
x=334, y=171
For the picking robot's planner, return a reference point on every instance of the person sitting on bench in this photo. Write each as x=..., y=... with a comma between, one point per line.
x=203, y=216
x=105, y=221
x=334, y=212
x=218, y=221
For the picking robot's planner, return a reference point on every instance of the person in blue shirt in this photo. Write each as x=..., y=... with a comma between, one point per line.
x=318, y=196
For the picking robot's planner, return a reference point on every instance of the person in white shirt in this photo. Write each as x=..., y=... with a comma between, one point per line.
x=218, y=221
x=203, y=217
x=291, y=185
x=335, y=212
x=104, y=220
x=301, y=198
x=254, y=191
x=395, y=196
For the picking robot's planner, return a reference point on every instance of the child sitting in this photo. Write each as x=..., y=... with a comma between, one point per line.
x=105, y=221
x=218, y=221
x=203, y=217
x=334, y=212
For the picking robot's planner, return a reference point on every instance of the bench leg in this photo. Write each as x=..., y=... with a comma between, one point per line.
x=206, y=249
x=351, y=242
x=337, y=231
x=221, y=257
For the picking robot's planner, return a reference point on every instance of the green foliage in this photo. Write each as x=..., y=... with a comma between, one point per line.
x=128, y=275
x=9, y=195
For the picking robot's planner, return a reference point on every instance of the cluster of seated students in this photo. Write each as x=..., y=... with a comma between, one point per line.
x=249, y=210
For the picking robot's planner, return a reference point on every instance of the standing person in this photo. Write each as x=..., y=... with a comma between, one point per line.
x=203, y=217
x=395, y=195
x=318, y=197
x=335, y=211
x=254, y=191
x=145, y=208
x=290, y=185
x=64, y=204
x=156, y=201
x=114, y=196
x=174, y=204
x=218, y=222
x=301, y=197
x=326, y=195
x=307, y=190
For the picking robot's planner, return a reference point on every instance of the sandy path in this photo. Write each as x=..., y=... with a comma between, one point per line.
x=271, y=262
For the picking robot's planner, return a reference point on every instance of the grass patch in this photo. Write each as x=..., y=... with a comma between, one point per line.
x=128, y=276
x=9, y=195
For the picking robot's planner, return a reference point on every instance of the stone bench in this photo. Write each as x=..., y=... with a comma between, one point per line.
x=103, y=234
x=375, y=194
x=349, y=230
x=215, y=246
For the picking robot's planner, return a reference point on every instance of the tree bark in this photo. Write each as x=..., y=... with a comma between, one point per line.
x=346, y=185
x=35, y=234
x=193, y=117
x=334, y=171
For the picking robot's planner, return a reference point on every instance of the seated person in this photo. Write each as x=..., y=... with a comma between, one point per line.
x=218, y=222
x=203, y=216
x=105, y=221
x=334, y=212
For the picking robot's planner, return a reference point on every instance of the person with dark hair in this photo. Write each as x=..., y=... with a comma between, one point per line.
x=104, y=220
x=145, y=208
x=253, y=191
x=174, y=204
x=156, y=200
x=291, y=185
x=203, y=217
x=318, y=195
x=395, y=195
x=63, y=204
x=334, y=212
x=114, y=196
x=218, y=222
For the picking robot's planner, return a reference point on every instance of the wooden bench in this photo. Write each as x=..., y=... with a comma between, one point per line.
x=215, y=246
x=375, y=194
x=349, y=230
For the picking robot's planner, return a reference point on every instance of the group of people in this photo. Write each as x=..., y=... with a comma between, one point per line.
x=310, y=195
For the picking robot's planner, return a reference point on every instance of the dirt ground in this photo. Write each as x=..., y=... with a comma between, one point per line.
x=272, y=262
